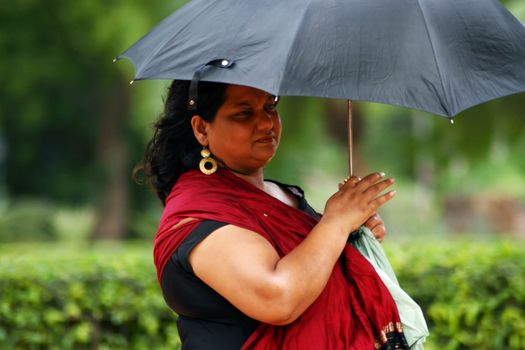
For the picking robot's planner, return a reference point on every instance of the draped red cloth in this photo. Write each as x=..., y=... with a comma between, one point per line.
x=355, y=311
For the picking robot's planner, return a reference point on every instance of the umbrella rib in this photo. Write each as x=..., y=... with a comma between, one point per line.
x=435, y=57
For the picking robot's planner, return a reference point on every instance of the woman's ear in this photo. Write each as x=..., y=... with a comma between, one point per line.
x=200, y=129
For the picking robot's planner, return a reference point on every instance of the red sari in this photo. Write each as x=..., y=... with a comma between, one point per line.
x=355, y=311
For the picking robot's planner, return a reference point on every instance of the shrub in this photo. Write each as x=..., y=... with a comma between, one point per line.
x=26, y=220
x=472, y=293
x=72, y=299
x=30, y=220
x=107, y=297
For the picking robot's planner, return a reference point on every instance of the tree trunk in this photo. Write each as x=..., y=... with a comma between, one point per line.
x=112, y=154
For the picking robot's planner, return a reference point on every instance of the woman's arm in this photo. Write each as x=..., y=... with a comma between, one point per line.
x=245, y=269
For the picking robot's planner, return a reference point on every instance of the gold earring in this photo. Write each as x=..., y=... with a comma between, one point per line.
x=207, y=165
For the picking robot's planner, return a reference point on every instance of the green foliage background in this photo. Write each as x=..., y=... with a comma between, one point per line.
x=60, y=85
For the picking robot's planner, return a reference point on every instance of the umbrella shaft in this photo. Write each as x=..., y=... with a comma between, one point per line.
x=350, y=141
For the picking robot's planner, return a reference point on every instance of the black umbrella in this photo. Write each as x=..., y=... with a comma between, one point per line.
x=440, y=56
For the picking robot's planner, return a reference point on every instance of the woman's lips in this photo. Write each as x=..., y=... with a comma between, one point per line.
x=268, y=139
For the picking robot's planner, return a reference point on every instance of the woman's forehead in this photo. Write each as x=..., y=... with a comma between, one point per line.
x=239, y=94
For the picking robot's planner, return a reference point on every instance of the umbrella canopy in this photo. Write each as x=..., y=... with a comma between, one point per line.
x=438, y=56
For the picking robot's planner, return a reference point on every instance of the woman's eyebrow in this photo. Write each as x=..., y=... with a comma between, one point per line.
x=248, y=103
x=242, y=104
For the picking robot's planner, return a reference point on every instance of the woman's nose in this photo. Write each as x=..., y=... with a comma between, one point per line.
x=265, y=121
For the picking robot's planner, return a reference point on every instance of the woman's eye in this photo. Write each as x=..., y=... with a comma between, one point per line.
x=244, y=114
x=271, y=107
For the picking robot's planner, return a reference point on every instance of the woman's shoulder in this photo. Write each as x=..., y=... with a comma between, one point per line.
x=194, y=184
x=219, y=196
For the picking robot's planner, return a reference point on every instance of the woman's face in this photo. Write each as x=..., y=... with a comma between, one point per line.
x=246, y=130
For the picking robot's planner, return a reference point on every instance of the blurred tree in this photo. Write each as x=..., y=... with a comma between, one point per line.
x=64, y=106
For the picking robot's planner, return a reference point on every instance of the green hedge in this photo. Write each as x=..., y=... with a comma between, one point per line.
x=102, y=298
x=472, y=292
x=107, y=297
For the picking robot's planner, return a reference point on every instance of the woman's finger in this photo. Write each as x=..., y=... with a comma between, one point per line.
x=351, y=181
x=373, y=221
x=376, y=225
x=378, y=187
x=379, y=232
x=369, y=180
x=377, y=202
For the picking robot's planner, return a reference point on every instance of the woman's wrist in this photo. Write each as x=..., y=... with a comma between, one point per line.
x=336, y=225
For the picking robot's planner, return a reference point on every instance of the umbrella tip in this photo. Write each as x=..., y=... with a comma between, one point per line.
x=131, y=82
x=115, y=60
x=451, y=120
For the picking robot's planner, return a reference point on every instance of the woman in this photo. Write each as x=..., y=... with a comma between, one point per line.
x=246, y=262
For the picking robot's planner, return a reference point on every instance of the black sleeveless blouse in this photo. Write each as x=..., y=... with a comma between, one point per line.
x=207, y=320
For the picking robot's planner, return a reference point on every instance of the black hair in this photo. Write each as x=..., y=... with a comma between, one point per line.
x=173, y=150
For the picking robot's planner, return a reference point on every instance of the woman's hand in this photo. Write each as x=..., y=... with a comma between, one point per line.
x=377, y=226
x=357, y=201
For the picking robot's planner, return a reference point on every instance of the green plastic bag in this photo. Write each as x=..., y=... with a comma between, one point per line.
x=414, y=324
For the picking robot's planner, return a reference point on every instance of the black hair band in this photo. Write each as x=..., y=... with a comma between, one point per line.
x=193, y=93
